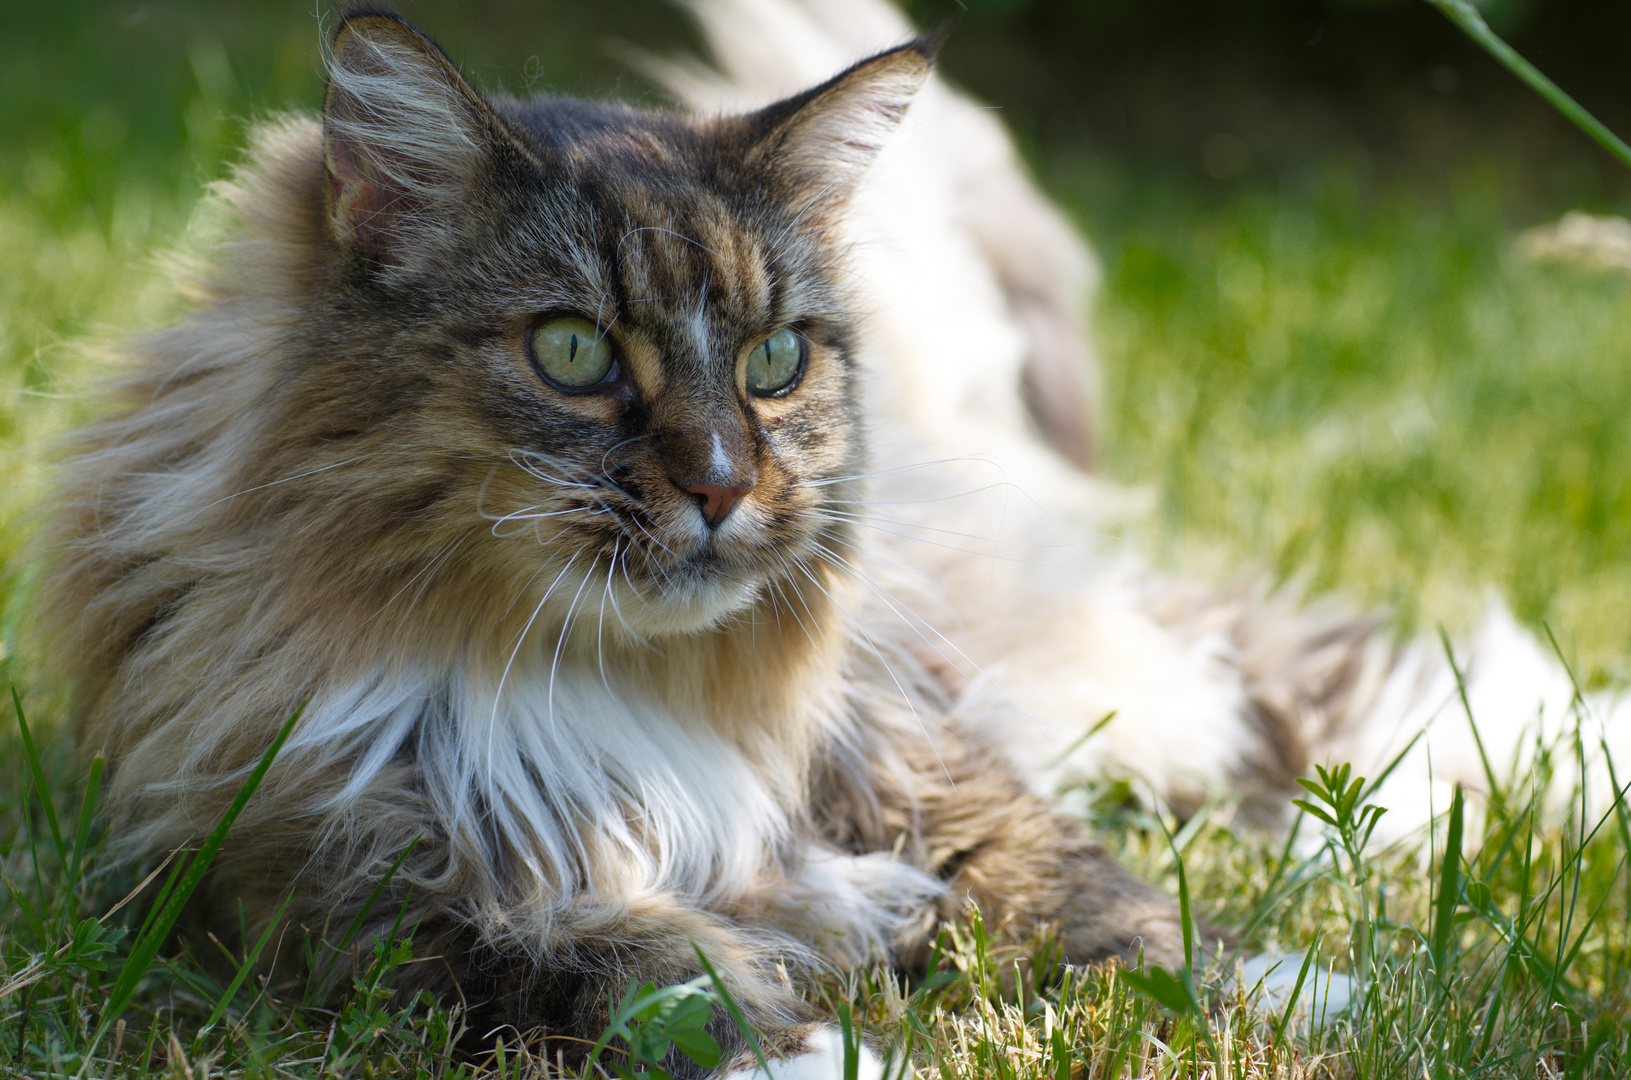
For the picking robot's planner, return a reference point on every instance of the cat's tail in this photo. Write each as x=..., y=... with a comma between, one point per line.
x=974, y=285
x=1195, y=691
x=1497, y=713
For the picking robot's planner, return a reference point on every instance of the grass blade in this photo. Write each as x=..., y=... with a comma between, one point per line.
x=1449, y=890
x=1467, y=18
x=87, y=817
x=1496, y=796
x=38, y=772
x=245, y=968
x=1284, y=1020
x=367, y=909
x=147, y=945
x=735, y=1013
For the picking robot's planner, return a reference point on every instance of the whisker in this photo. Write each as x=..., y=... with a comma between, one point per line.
x=420, y=592
x=917, y=502
x=776, y=586
x=274, y=483
x=654, y=540
x=528, y=515
x=560, y=641
x=429, y=568
x=893, y=470
x=918, y=624
x=605, y=470
x=600, y=305
x=520, y=638
x=869, y=518
x=954, y=547
x=524, y=460
x=617, y=253
x=905, y=696
x=600, y=627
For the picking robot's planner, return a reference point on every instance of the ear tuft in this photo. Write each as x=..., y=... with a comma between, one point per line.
x=406, y=141
x=823, y=139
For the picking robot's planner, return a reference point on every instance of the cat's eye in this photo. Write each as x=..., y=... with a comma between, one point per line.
x=573, y=353
x=775, y=363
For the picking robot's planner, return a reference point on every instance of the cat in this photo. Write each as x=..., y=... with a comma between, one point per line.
x=572, y=466
x=514, y=442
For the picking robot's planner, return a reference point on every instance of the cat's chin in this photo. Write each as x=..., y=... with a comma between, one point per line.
x=686, y=605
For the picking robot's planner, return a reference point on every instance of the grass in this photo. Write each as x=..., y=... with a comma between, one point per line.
x=1354, y=382
x=1366, y=389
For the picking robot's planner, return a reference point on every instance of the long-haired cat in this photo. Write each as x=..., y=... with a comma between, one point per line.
x=552, y=453
x=519, y=442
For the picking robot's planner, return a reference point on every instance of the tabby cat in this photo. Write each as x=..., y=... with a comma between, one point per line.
x=676, y=531
x=516, y=441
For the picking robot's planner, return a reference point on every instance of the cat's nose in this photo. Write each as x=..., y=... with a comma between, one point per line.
x=716, y=500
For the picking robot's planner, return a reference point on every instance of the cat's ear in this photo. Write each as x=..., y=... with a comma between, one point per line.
x=818, y=144
x=407, y=143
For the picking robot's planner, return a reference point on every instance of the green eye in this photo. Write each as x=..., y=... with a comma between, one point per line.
x=775, y=363
x=572, y=353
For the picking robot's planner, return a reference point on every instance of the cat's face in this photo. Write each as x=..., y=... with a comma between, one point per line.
x=607, y=350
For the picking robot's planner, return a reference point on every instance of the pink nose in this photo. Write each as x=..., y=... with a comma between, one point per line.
x=716, y=500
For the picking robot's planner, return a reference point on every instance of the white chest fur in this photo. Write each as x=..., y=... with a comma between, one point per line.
x=578, y=783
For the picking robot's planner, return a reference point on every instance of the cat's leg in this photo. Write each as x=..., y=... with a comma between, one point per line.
x=959, y=811
x=553, y=986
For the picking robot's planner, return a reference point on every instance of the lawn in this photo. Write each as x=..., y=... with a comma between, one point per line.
x=1347, y=376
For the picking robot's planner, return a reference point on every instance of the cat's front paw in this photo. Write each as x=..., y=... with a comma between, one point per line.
x=819, y=1055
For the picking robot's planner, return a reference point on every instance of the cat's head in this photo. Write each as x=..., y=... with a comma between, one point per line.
x=615, y=343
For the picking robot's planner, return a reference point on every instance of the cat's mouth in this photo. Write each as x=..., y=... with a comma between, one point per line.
x=691, y=593
x=691, y=579
x=653, y=556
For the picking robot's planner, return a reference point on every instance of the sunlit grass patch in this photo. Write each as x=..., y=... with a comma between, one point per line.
x=1374, y=392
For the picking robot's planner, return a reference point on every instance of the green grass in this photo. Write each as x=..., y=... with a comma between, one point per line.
x=1354, y=383
x=1366, y=389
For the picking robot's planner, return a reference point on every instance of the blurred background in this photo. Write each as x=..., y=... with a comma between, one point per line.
x=1330, y=352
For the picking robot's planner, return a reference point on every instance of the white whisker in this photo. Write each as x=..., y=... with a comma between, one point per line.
x=520, y=639
x=273, y=483
x=560, y=641
x=600, y=627
x=897, y=469
x=890, y=671
x=951, y=547
x=918, y=624
x=869, y=519
x=429, y=568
